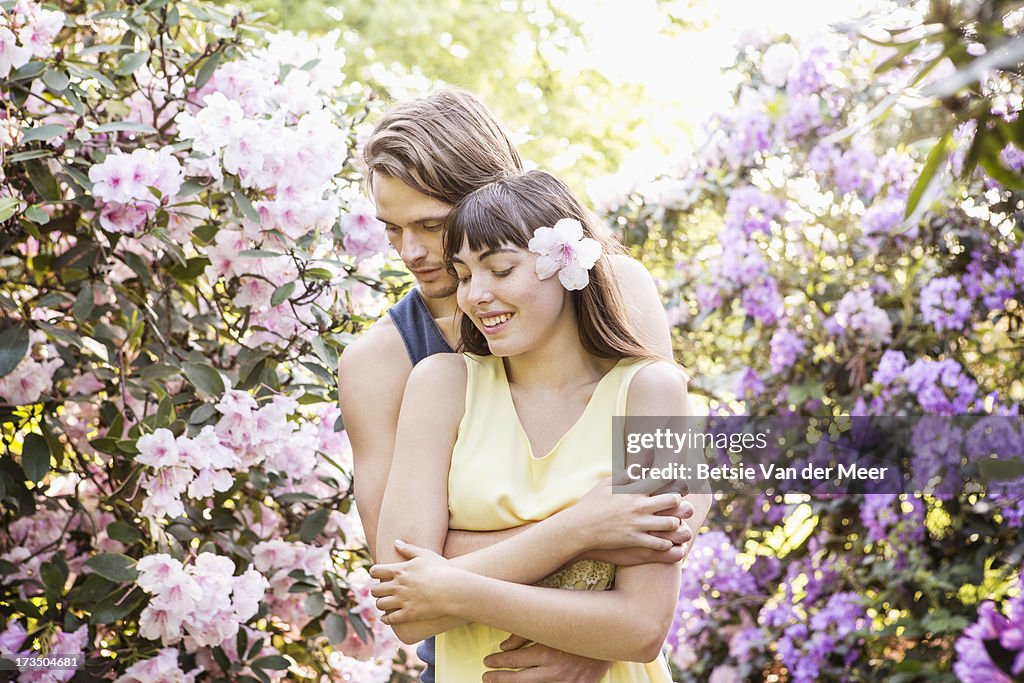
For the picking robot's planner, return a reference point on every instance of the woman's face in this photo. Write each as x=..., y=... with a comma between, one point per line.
x=500, y=292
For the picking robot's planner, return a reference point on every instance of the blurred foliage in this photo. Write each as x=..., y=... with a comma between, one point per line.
x=518, y=56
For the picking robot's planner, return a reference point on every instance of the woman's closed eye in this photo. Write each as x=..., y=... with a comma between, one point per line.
x=503, y=273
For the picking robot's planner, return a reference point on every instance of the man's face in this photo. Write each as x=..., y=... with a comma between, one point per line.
x=414, y=224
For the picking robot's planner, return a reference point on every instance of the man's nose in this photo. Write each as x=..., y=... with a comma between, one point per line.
x=412, y=248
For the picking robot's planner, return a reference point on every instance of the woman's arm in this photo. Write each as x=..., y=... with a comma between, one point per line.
x=627, y=623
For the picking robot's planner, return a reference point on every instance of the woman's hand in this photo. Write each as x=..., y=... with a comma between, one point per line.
x=416, y=590
x=634, y=519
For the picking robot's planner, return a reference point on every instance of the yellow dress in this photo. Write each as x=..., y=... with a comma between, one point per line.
x=495, y=483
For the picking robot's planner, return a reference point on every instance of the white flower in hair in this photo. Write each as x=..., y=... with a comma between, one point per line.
x=564, y=250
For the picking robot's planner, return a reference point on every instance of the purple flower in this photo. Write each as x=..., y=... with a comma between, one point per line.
x=742, y=261
x=812, y=74
x=862, y=319
x=751, y=134
x=854, y=172
x=749, y=384
x=824, y=157
x=751, y=210
x=784, y=348
x=708, y=296
x=890, y=368
x=994, y=287
x=973, y=662
x=1012, y=158
x=763, y=301
x=943, y=304
x=803, y=116
x=940, y=386
x=879, y=220
x=878, y=515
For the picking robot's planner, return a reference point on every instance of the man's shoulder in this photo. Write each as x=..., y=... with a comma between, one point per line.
x=379, y=347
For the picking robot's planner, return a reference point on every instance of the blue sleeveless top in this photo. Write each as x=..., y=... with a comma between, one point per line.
x=421, y=337
x=417, y=328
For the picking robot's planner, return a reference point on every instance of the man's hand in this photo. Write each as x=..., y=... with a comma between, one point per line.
x=541, y=664
x=633, y=518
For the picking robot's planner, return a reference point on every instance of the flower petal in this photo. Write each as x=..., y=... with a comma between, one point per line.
x=547, y=266
x=573, y=277
x=544, y=241
x=569, y=230
x=587, y=252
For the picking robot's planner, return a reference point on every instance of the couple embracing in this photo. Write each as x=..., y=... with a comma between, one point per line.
x=482, y=477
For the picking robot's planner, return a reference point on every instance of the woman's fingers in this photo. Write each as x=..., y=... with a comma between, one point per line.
x=662, y=501
x=389, y=603
x=384, y=572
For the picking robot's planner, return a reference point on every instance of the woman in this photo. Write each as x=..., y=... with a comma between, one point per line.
x=518, y=429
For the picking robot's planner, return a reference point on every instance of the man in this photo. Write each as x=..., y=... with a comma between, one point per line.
x=423, y=157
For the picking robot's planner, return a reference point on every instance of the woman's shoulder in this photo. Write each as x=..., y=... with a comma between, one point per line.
x=658, y=388
x=440, y=371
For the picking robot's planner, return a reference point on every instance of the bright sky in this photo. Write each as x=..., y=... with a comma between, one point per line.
x=682, y=72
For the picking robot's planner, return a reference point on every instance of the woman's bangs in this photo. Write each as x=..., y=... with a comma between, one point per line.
x=484, y=225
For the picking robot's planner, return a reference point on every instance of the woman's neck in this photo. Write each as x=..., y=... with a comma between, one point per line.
x=561, y=361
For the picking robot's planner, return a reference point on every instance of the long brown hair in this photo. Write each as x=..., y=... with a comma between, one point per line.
x=444, y=145
x=506, y=212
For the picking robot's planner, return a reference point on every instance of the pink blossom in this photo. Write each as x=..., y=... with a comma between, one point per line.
x=160, y=669
x=158, y=449
x=12, y=55
x=364, y=234
x=564, y=250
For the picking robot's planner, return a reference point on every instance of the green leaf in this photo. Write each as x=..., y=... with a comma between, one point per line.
x=336, y=628
x=314, y=604
x=272, y=662
x=930, y=173
x=113, y=566
x=84, y=302
x=282, y=293
x=44, y=133
x=245, y=206
x=43, y=180
x=259, y=253
x=202, y=413
x=87, y=73
x=123, y=532
x=37, y=215
x=35, y=457
x=205, y=378
x=116, y=606
x=318, y=273
x=130, y=62
x=313, y=525
x=56, y=80
x=207, y=69
x=30, y=154
x=28, y=71
x=94, y=49
x=325, y=352
x=8, y=207
x=13, y=347
x=127, y=126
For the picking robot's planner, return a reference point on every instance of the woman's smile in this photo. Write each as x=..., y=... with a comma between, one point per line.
x=494, y=322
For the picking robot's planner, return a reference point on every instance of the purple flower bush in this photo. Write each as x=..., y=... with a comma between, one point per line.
x=832, y=270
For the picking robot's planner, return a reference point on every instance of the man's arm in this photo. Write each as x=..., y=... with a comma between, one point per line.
x=644, y=307
x=372, y=376
x=372, y=373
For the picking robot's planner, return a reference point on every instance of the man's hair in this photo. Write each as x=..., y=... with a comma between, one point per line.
x=444, y=145
x=506, y=212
